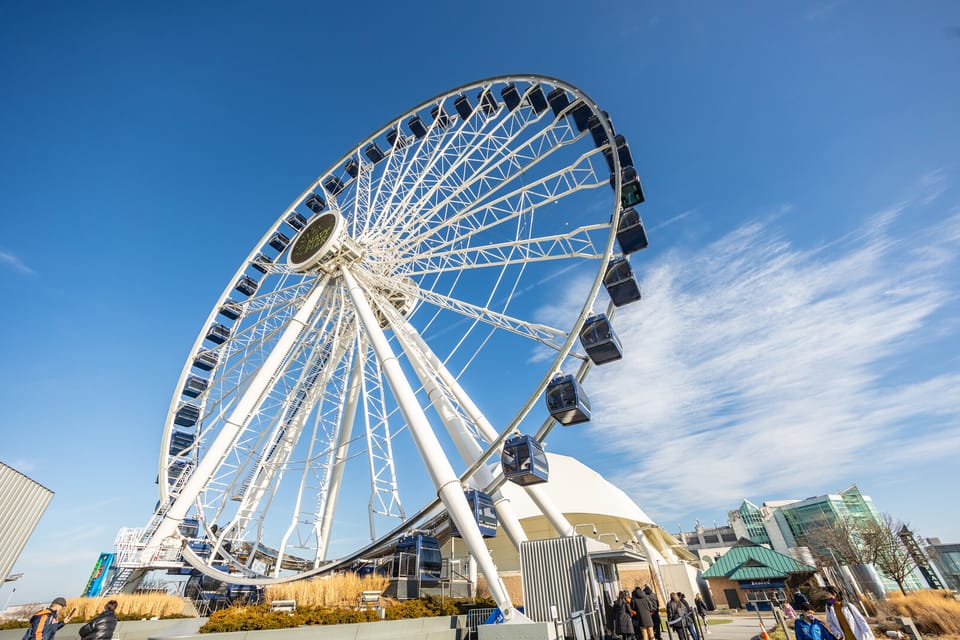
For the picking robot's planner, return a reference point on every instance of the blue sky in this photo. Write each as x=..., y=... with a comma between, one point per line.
x=799, y=326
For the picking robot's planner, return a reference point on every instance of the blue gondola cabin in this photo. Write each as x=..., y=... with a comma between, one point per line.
x=620, y=283
x=599, y=340
x=481, y=505
x=631, y=236
x=523, y=461
x=418, y=557
x=566, y=401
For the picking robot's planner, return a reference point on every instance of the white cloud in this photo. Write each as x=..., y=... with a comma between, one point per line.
x=753, y=367
x=15, y=263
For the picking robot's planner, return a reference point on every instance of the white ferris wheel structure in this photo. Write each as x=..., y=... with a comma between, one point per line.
x=399, y=320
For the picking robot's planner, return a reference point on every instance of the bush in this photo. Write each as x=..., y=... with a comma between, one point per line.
x=260, y=617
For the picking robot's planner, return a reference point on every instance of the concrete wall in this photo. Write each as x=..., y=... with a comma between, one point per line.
x=126, y=630
x=443, y=628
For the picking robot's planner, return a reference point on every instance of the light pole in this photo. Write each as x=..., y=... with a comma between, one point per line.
x=13, y=577
x=616, y=538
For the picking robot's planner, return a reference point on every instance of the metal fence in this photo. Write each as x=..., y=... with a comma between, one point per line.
x=476, y=617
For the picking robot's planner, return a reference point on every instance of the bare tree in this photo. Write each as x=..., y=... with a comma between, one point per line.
x=883, y=548
x=836, y=541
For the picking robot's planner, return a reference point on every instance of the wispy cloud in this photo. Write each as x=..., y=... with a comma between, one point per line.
x=15, y=263
x=753, y=366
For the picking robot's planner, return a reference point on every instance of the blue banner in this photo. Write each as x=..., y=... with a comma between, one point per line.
x=99, y=575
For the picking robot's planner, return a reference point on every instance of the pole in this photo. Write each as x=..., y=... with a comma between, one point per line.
x=7, y=603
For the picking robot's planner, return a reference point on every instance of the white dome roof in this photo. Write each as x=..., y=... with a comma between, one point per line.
x=576, y=488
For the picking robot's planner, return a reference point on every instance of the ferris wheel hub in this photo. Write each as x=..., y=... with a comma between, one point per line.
x=323, y=245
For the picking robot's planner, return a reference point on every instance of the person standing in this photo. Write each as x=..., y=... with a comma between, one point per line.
x=688, y=616
x=675, y=616
x=643, y=620
x=45, y=623
x=622, y=617
x=701, y=606
x=654, y=609
x=807, y=627
x=101, y=627
x=789, y=612
x=843, y=619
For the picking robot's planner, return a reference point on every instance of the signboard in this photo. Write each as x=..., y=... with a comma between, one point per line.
x=98, y=576
x=756, y=585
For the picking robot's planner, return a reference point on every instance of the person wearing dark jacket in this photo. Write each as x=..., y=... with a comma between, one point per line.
x=654, y=610
x=101, y=627
x=45, y=623
x=643, y=620
x=622, y=617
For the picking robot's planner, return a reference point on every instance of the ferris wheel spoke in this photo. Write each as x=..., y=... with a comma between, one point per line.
x=579, y=243
x=484, y=155
x=315, y=373
x=329, y=491
x=384, y=493
x=420, y=171
x=541, y=333
x=497, y=166
x=524, y=200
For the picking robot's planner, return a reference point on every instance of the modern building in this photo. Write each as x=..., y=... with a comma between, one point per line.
x=755, y=577
x=946, y=560
x=795, y=528
x=22, y=503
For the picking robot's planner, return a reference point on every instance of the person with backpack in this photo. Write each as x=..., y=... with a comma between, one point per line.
x=45, y=623
x=101, y=627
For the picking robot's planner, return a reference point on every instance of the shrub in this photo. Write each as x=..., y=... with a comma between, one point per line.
x=260, y=617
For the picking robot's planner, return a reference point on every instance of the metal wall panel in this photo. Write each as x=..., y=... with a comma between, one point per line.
x=22, y=503
x=558, y=572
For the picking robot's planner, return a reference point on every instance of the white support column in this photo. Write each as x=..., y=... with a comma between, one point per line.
x=537, y=493
x=343, y=441
x=246, y=407
x=467, y=446
x=548, y=508
x=431, y=451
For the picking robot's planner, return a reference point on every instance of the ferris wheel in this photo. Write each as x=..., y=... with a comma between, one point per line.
x=403, y=316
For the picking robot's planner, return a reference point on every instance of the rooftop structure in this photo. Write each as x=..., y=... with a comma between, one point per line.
x=22, y=503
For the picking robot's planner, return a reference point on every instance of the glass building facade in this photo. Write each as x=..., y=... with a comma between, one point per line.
x=788, y=524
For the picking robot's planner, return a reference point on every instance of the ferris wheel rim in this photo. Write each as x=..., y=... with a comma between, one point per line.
x=314, y=186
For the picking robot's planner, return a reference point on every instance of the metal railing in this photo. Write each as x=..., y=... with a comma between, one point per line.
x=476, y=617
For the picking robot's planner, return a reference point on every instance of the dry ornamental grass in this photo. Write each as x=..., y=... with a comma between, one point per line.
x=340, y=590
x=934, y=612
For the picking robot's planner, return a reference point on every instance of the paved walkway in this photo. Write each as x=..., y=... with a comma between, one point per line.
x=741, y=628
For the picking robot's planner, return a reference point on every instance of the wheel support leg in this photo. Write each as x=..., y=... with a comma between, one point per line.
x=443, y=476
